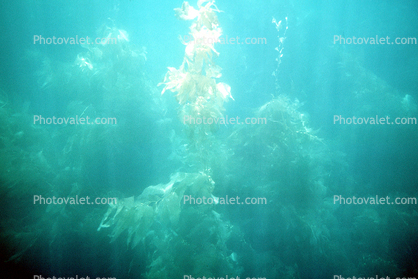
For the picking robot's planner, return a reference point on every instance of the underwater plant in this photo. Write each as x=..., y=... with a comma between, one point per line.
x=198, y=92
x=158, y=219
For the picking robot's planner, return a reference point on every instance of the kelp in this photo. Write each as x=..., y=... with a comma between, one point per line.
x=160, y=203
x=206, y=15
x=195, y=81
x=159, y=219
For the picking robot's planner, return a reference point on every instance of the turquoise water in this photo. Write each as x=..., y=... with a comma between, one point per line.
x=161, y=140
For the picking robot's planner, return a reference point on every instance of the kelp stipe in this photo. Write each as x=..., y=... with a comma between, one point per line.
x=199, y=94
x=185, y=238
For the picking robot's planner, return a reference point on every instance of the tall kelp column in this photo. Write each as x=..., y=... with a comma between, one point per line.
x=185, y=239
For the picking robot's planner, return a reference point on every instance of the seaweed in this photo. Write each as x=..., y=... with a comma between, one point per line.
x=195, y=81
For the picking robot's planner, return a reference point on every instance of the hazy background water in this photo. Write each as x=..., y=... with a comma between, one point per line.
x=327, y=79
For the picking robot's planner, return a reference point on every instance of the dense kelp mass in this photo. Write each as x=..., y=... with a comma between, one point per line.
x=198, y=183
